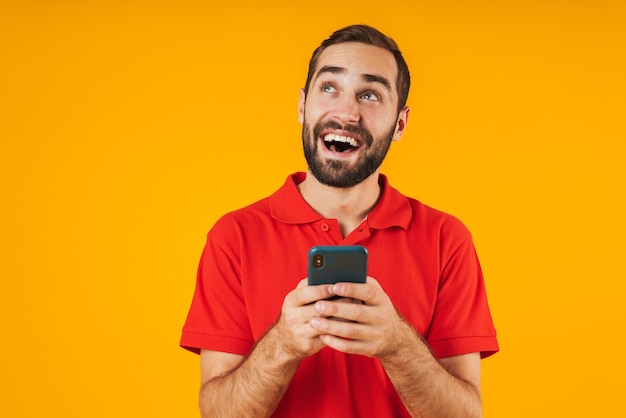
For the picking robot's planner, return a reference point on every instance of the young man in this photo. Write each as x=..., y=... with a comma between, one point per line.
x=272, y=346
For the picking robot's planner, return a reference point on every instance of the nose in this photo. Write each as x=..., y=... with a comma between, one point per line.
x=347, y=110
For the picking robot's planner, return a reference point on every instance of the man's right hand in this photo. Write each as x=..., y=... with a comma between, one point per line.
x=292, y=330
x=261, y=378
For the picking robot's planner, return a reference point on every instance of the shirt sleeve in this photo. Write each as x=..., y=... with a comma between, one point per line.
x=217, y=319
x=462, y=320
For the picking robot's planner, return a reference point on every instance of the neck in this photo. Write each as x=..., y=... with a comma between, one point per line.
x=348, y=205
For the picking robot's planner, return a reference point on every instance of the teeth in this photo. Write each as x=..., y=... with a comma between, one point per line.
x=340, y=138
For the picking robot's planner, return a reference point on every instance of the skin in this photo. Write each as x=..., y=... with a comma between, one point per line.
x=354, y=85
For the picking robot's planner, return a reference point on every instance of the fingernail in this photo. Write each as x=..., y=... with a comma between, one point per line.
x=319, y=306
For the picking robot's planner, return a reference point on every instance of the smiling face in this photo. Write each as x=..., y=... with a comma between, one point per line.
x=349, y=115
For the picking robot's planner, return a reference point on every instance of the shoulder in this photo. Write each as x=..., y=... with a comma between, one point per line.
x=398, y=209
x=425, y=215
x=422, y=218
x=245, y=218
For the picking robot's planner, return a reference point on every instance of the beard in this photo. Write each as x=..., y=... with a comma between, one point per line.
x=344, y=174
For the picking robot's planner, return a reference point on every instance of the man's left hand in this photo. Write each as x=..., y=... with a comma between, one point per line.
x=373, y=328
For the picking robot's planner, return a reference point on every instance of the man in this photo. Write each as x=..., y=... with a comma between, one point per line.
x=272, y=346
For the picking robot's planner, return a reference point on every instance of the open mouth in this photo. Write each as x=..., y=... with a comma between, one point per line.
x=340, y=143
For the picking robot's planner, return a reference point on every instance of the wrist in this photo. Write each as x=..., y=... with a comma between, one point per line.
x=407, y=344
x=276, y=348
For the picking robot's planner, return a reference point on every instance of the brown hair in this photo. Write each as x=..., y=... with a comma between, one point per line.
x=370, y=36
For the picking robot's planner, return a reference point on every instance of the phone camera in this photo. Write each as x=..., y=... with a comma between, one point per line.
x=318, y=261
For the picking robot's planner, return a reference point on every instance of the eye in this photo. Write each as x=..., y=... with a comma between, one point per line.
x=327, y=88
x=371, y=96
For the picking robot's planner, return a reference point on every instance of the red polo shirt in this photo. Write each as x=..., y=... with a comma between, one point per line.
x=424, y=260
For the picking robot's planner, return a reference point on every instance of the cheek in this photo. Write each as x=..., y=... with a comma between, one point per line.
x=312, y=118
x=382, y=124
x=312, y=109
x=317, y=106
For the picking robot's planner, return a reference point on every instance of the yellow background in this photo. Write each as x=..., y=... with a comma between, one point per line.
x=127, y=128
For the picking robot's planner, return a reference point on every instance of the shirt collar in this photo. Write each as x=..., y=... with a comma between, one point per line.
x=288, y=206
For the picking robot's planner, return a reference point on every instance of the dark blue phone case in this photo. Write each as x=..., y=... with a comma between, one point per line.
x=339, y=263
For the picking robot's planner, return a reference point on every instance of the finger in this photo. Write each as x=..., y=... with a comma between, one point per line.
x=348, y=337
x=345, y=308
x=300, y=339
x=346, y=300
x=369, y=292
x=346, y=345
x=341, y=329
x=304, y=294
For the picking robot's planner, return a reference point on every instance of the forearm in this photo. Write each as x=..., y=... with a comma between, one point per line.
x=255, y=387
x=424, y=385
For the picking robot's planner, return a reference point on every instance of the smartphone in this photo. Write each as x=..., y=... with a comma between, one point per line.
x=337, y=263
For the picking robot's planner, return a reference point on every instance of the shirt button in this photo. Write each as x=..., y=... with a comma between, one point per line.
x=324, y=227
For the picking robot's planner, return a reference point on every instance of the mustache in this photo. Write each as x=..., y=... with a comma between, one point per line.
x=356, y=130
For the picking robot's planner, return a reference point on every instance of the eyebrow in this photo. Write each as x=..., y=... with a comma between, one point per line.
x=370, y=78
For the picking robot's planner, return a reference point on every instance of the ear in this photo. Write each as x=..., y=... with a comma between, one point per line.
x=403, y=120
x=301, y=106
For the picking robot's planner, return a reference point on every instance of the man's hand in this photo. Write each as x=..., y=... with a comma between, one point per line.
x=372, y=328
x=292, y=330
x=261, y=378
x=375, y=329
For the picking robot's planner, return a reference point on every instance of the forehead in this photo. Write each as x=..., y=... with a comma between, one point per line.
x=359, y=59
